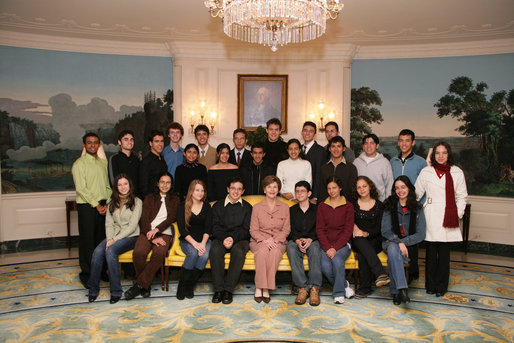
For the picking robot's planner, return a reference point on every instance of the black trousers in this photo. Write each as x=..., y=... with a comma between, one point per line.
x=369, y=263
x=91, y=233
x=437, y=271
x=220, y=281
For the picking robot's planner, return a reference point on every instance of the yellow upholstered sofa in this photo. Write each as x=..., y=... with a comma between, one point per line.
x=176, y=256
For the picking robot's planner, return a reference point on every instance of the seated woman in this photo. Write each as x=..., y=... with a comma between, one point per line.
x=188, y=171
x=220, y=174
x=121, y=231
x=195, y=225
x=367, y=239
x=403, y=227
x=269, y=228
x=159, y=212
x=334, y=227
x=294, y=169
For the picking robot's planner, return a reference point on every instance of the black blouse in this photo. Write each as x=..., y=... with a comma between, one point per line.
x=371, y=220
x=199, y=224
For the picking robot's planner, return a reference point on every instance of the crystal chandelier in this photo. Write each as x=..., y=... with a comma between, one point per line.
x=274, y=22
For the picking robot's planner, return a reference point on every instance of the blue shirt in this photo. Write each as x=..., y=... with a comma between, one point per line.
x=411, y=167
x=173, y=158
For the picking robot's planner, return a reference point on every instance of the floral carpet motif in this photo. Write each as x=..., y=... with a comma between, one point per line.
x=45, y=301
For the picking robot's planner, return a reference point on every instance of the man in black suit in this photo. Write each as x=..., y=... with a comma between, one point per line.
x=239, y=155
x=315, y=154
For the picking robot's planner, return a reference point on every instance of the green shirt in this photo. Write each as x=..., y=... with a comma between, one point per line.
x=91, y=181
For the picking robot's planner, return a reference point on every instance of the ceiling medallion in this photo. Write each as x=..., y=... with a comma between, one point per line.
x=274, y=22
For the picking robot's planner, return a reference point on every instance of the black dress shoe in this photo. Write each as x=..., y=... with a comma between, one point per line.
x=132, y=292
x=429, y=291
x=227, y=297
x=439, y=294
x=216, y=298
x=396, y=299
x=114, y=299
x=92, y=298
x=404, y=295
x=145, y=293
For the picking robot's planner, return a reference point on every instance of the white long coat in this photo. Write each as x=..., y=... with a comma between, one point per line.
x=428, y=182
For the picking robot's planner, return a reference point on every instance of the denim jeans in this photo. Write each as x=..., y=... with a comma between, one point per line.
x=334, y=269
x=111, y=256
x=395, y=262
x=192, y=259
x=297, y=269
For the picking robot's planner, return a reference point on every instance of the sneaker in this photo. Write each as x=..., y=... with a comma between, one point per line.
x=339, y=300
x=348, y=291
x=382, y=280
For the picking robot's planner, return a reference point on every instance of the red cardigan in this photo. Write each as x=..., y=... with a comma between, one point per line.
x=334, y=226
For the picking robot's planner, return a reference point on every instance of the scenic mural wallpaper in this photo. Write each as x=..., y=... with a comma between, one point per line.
x=467, y=101
x=49, y=99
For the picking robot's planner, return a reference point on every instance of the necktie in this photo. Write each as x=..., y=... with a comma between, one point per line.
x=239, y=158
x=304, y=148
x=203, y=153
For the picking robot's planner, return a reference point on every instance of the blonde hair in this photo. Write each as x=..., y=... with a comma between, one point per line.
x=189, y=199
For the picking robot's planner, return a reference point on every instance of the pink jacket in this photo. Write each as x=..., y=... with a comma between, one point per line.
x=266, y=223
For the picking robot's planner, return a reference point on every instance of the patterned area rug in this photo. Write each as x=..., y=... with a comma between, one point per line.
x=44, y=301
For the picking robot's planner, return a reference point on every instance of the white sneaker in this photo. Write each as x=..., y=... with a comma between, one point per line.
x=339, y=300
x=349, y=292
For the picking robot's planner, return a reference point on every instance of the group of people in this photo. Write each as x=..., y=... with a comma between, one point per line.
x=365, y=203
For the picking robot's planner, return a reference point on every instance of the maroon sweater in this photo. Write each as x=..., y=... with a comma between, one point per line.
x=334, y=226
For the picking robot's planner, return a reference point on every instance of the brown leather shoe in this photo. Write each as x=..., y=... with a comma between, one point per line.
x=301, y=298
x=314, y=296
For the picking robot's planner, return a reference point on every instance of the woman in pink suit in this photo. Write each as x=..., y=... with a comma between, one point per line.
x=269, y=229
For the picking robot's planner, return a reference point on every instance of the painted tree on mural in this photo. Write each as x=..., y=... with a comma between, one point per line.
x=490, y=119
x=363, y=113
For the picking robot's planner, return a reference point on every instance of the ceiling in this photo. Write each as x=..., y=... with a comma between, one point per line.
x=362, y=22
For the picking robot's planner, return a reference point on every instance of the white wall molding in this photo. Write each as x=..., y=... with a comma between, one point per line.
x=486, y=47
x=97, y=46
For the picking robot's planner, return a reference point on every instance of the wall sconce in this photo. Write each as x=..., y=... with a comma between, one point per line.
x=199, y=117
x=323, y=116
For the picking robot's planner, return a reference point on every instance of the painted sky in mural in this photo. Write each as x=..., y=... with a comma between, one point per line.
x=410, y=87
x=65, y=94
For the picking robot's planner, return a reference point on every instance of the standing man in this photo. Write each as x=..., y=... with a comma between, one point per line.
x=92, y=185
x=275, y=148
x=174, y=154
x=230, y=234
x=304, y=241
x=125, y=161
x=332, y=130
x=207, y=155
x=337, y=166
x=254, y=172
x=153, y=165
x=239, y=155
x=374, y=165
x=315, y=154
x=407, y=162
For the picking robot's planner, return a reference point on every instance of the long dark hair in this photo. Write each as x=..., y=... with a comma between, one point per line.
x=412, y=205
x=115, y=196
x=451, y=158
x=373, y=192
x=391, y=202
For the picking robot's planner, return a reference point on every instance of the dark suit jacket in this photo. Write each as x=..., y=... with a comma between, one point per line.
x=316, y=156
x=246, y=158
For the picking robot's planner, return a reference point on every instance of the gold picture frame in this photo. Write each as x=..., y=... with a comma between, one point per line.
x=260, y=98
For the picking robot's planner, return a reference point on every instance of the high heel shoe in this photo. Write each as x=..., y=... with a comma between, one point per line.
x=258, y=299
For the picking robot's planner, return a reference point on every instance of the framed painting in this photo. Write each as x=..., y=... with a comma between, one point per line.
x=260, y=98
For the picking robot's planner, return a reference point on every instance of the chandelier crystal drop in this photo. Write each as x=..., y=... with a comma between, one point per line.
x=274, y=23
